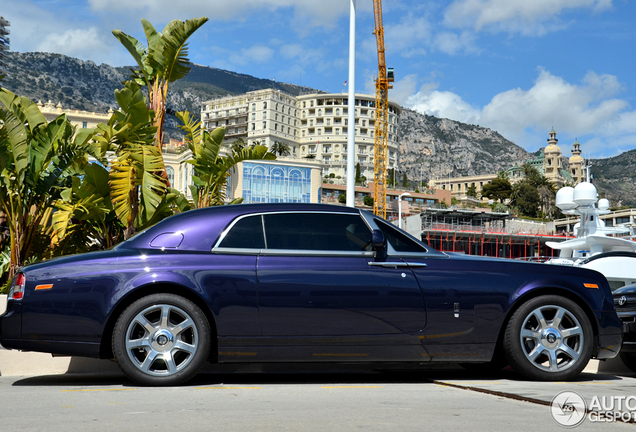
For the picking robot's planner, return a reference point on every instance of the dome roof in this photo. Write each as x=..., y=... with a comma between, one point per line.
x=576, y=159
x=552, y=148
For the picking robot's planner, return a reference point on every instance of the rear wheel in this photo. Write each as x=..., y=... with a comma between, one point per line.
x=549, y=338
x=161, y=339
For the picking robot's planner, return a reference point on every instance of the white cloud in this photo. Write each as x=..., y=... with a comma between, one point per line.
x=442, y=104
x=527, y=17
x=409, y=37
x=451, y=43
x=311, y=13
x=305, y=56
x=81, y=43
x=254, y=54
x=403, y=89
x=34, y=28
x=589, y=109
x=577, y=109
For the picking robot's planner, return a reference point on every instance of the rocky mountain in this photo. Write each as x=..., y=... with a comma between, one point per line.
x=84, y=85
x=615, y=178
x=443, y=147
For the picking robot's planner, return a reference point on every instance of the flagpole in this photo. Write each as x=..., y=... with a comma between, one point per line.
x=352, y=108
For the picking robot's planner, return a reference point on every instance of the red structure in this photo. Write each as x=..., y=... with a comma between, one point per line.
x=484, y=233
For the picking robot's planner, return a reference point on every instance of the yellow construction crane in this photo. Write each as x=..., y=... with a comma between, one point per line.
x=382, y=86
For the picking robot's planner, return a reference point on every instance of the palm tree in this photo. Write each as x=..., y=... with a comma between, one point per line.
x=238, y=145
x=85, y=219
x=37, y=160
x=280, y=148
x=139, y=194
x=213, y=169
x=163, y=61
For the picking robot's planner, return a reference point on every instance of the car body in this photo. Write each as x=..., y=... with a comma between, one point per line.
x=625, y=303
x=305, y=283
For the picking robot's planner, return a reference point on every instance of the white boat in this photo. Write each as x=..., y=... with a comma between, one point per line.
x=609, y=250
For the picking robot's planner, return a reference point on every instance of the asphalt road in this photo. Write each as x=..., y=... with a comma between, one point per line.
x=316, y=398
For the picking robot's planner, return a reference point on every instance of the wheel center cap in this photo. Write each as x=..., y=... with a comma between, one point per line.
x=163, y=339
x=551, y=338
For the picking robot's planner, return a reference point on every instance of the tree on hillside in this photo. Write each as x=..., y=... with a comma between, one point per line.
x=471, y=191
x=358, y=174
x=527, y=199
x=405, y=180
x=498, y=189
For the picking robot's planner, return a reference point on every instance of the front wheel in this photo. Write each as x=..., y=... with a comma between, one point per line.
x=549, y=338
x=161, y=339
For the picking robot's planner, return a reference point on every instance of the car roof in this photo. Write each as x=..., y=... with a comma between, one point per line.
x=202, y=227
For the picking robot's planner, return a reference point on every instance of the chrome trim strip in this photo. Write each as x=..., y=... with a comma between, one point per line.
x=236, y=251
x=306, y=253
x=395, y=264
x=231, y=225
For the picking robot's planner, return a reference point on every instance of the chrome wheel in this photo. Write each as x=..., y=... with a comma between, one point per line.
x=552, y=338
x=161, y=340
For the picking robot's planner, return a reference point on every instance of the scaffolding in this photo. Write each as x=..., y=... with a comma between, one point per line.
x=486, y=234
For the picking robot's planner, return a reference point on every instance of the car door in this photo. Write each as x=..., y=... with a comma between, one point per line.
x=446, y=288
x=316, y=278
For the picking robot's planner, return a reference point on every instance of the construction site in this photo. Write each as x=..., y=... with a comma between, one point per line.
x=476, y=232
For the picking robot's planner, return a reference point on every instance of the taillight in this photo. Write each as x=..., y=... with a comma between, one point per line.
x=17, y=287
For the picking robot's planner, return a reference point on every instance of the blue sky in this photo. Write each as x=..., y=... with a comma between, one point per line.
x=519, y=67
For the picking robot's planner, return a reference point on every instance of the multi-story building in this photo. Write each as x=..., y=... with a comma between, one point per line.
x=4, y=42
x=313, y=126
x=84, y=119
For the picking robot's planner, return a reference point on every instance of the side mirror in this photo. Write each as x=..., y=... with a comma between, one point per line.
x=378, y=240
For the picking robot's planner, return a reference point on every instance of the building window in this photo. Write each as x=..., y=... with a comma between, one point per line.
x=170, y=172
x=84, y=124
x=253, y=126
x=264, y=115
x=264, y=125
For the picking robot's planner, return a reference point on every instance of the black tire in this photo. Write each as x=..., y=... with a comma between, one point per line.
x=554, y=349
x=629, y=359
x=161, y=340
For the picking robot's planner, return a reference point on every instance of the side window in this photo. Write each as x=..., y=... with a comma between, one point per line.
x=317, y=231
x=247, y=233
x=399, y=241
